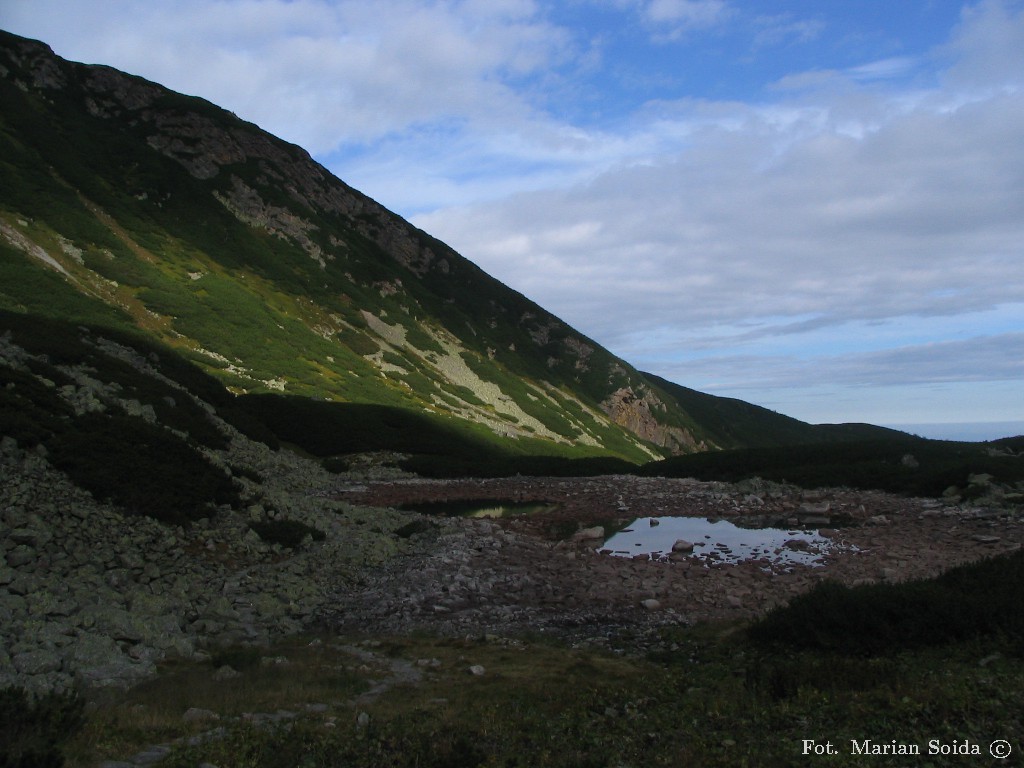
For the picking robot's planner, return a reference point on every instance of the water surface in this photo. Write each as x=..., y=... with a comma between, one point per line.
x=718, y=541
x=490, y=508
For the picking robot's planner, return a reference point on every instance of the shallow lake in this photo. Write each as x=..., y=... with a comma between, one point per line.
x=478, y=508
x=718, y=541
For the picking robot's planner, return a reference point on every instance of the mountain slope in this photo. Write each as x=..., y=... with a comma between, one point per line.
x=731, y=423
x=129, y=205
x=239, y=250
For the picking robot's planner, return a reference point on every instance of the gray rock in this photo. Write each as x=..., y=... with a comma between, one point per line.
x=21, y=556
x=984, y=539
x=152, y=755
x=34, y=537
x=198, y=715
x=37, y=662
x=225, y=673
x=815, y=508
x=23, y=584
x=113, y=622
x=589, y=534
x=98, y=660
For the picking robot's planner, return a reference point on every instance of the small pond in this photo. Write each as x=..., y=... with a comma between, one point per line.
x=718, y=541
x=478, y=508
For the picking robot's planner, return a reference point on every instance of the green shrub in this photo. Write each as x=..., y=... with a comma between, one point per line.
x=141, y=467
x=358, y=342
x=287, y=533
x=867, y=464
x=785, y=676
x=331, y=429
x=414, y=528
x=33, y=730
x=972, y=601
x=238, y=657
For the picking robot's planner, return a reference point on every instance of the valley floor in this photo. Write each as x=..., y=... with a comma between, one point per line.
x=528, y=573
x=507, y=642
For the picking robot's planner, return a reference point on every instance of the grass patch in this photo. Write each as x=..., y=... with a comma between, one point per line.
x=122, y=723
x=709, y=697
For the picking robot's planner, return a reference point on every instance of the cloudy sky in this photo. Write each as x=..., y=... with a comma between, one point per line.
x=814, y=206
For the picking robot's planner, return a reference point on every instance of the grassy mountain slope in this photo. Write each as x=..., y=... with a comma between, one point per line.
x=240, y=251
x=128, y=205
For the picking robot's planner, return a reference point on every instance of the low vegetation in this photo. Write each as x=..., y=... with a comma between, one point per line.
x=125, y=436
x=33, y=730
x=973, y=601
x=708, y=695
x=905, y=465
x=286, y=533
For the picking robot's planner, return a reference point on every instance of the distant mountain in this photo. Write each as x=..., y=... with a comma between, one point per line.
x=731, y=423
x=127, y=206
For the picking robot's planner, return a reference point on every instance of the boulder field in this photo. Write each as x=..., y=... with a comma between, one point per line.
x=91, y=596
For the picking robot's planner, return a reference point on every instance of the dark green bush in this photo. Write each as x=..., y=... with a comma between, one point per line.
x=141, y=467
x=973, y=601
x=784, y=676
x=238, y=657
x=33, y=730
x=287, y=533
x=414, y=527
x=868, y=464
x=497, y=465
x=30, y=412
x=331, y=429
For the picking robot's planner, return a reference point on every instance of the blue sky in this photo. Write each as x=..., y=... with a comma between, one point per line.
x=816, y=207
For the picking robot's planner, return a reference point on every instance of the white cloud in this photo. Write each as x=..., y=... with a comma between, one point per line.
x=882, y=69
x=686, y=15
x=922, y=215
x=839, y=212
x=783, y=29
x=986, y=48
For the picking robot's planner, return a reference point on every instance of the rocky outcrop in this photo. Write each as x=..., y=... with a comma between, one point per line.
x=636, y=411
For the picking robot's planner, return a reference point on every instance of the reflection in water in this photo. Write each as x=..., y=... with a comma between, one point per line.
x=718, y=541
x=478, y=508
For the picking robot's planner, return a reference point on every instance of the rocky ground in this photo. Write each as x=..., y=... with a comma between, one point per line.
x=531, y=574
x=90, y=596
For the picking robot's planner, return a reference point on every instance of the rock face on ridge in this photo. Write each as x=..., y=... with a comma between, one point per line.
x=636, y=412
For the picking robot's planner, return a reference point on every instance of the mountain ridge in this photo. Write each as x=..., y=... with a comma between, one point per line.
x=240, y=251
